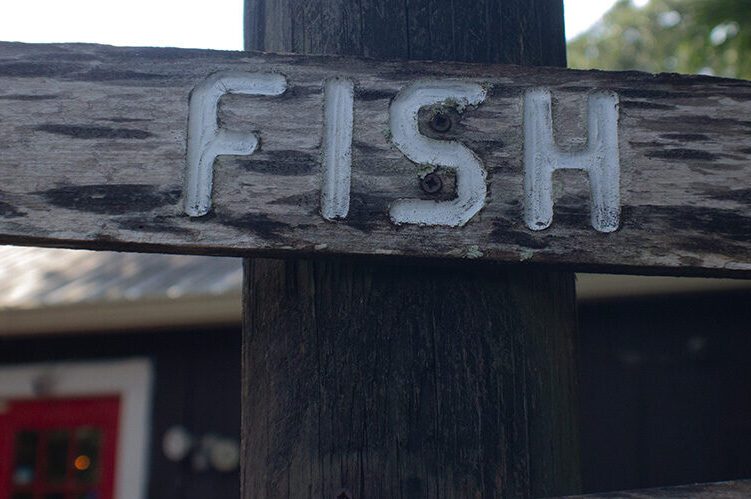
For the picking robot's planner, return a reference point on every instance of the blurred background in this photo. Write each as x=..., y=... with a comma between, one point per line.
x=120, y=373
x=711, y=37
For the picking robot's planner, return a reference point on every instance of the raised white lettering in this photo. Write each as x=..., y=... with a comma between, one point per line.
x=337, y=148
x=470, y=174
x=600, y=159
x=206, y=140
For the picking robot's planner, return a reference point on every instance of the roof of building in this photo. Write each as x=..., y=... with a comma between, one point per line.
x=39, y=277
x=45, y=291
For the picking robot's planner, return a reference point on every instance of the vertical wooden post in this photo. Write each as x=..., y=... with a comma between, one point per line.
x=392, y=379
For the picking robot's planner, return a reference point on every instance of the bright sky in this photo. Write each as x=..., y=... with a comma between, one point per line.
x=216, y=24
x=177, y=23
x=581, y=14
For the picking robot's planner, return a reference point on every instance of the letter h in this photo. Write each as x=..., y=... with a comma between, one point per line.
x=600, y=159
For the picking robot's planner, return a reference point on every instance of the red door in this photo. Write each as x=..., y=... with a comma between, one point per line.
x=58, y=448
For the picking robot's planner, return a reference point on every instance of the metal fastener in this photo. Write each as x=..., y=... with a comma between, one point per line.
x=431, y=183
x=440, y=122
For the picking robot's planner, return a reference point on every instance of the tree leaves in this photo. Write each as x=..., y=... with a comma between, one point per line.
x=685, y=36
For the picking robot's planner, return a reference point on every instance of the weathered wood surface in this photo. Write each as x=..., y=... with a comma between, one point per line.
x=368, y=379
x=93, y=150
x=407, y=381
x=740, y=489
x=525, y=32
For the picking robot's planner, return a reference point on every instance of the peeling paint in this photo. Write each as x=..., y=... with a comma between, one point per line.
x=474, y=252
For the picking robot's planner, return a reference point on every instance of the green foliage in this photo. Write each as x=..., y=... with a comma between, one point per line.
x=684, y=36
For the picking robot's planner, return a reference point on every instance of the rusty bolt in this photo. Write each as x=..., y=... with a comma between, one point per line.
x=431, y=183
x=440, y=122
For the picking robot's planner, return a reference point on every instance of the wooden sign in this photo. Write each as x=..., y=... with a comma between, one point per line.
x=191, y=151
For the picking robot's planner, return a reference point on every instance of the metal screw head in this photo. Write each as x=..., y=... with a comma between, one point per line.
x=431, y=183
x=440, y=122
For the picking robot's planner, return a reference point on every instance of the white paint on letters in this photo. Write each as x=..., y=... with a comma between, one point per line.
x=206, y=140
x=337, y=147
x=470, y=174
x=600, y=159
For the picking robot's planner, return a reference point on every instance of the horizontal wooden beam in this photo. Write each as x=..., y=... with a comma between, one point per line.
x=740, y=489
x=599, y=287
x=192, y=151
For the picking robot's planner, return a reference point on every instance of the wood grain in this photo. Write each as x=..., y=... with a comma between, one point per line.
x=381, y=379
x=489, y=31
x=93, y=139
x=391, y=380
